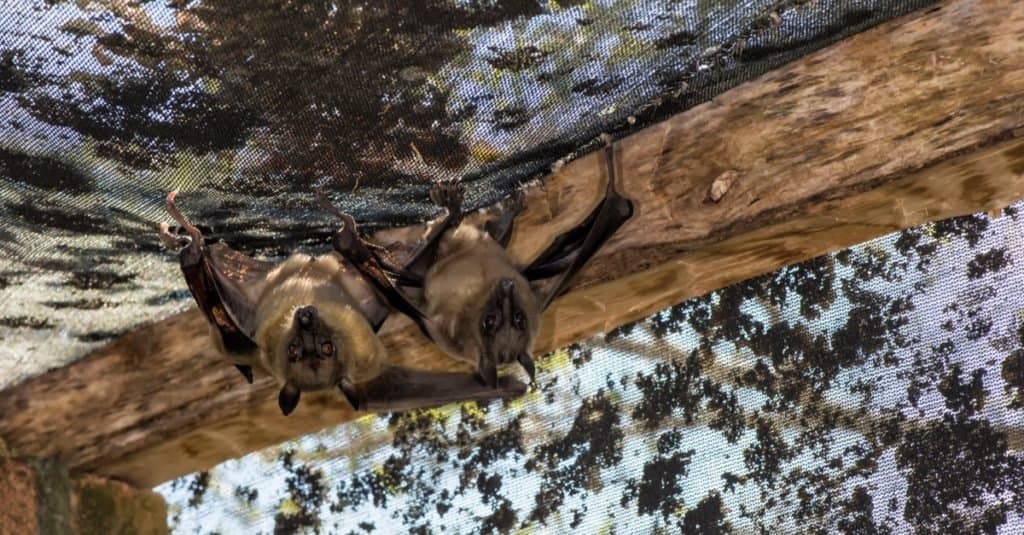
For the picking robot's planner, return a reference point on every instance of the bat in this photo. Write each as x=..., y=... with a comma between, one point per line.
x=311, y=323
x=475, y=302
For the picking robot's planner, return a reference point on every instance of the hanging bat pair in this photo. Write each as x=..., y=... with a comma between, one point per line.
x=312, y=322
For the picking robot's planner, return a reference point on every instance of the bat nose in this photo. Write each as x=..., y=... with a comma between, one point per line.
x=507, y=285
x=305, y=316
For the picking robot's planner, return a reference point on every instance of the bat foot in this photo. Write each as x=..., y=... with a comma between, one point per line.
x=326, y=204
x=448, y=195
x=346, y=239
x=348, y=243
x=193, y=232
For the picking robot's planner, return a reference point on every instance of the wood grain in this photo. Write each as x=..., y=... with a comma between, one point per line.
x=913, y=121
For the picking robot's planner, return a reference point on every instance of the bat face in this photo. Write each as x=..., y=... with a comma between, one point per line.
x=506, y=327
x=308, y=357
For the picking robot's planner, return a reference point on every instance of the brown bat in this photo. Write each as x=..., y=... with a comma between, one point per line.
x=311, y=323
x=476, y=303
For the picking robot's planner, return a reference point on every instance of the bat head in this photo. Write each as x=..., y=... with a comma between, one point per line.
x=507, y=326
x=308, y=357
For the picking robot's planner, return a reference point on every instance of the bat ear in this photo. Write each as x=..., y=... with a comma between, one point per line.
x=488, y=370
x=526, y=361
x=350, y=394
x=288, y=398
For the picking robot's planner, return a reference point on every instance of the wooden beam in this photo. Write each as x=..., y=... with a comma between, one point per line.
x=916, y=120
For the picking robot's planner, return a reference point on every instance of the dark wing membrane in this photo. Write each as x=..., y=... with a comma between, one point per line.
x=374, y=309
x=223, y=283
x=240, y=268
x=203, y=283
x=500, y=229
x=557, y=257
x=239, y=279
x=447, y=195
x=570, y=251
x=355, y=250
x=400, y=389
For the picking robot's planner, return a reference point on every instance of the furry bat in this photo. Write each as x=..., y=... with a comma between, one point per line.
x=476, y=303
x=311, y=323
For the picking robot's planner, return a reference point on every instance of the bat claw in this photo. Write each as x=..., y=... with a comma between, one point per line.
x=348, y=222
x=346, y=239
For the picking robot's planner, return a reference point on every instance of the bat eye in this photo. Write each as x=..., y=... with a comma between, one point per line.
x=327, y=348
x=518, y=319
x=489, y=321
x=293, y=352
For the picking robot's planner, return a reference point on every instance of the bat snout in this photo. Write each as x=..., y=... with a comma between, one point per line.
x=305, y=317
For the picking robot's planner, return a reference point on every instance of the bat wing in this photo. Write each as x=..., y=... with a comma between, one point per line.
x=400, y=389
x=500, y=229
x=215, y=299
x=239, y=279
x=223, y=283
x=570, y=251
x=355, y=250
x=447, y=195
x=362, y=256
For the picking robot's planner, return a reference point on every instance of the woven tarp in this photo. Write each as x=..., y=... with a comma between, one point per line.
x=105, y=105
x=876, y=390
